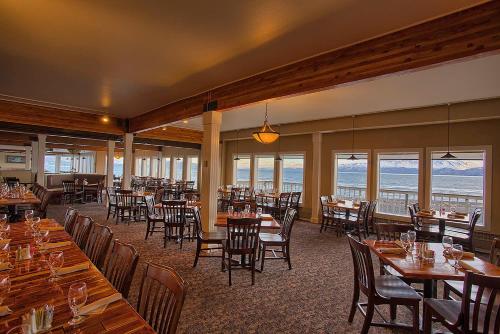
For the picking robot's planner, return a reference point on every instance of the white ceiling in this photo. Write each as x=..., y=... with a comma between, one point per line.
x=129, y=57
x=455, y=82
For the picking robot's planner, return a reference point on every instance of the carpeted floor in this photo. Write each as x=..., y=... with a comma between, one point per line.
x=313, y=297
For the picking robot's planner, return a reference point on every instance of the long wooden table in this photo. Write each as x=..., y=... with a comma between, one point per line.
x=30, y=288
x=12, y=203
x=268, y=222
x=347, y=207
x=442, y=269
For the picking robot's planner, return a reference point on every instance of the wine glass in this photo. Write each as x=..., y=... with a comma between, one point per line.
x=258, y=213
x=412, y=236
x=447, y=242
x=3, y=219
x=457, y=252
x=55, y=262
x=4, y=287
x=247, y=208
x=230, y=210
x=77, y=297
x=35, y=224
x=404, y=240
x=4, y=252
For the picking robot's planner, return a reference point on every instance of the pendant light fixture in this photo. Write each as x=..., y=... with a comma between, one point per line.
x=448, y=155
x=237, y=153
x=352, y=157
x=266, y=135
x=278, y=156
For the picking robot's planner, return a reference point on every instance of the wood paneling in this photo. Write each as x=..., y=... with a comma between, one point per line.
x=463, y=34
x=173, y=133
x=21, y=113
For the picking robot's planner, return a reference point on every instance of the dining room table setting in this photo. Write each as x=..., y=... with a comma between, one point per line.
x=344, y=205
x=267, y=221
x=48, y=285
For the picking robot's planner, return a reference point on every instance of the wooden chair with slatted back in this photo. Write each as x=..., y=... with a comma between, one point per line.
x=465, y=235
x=242, y=240
x=81, y=230
x=70, y=220
x=125, y=204
x=174, y=213
x=98, y=244
x=356, y=224
x=41, y=210
x=161, y=298
x=468, y=315
x=111, y=197
x=120, y=265
x=153, y=217
x=215, y=238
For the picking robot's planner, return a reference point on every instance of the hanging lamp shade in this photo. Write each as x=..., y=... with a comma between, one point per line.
x=352, y=157
x=266, y=135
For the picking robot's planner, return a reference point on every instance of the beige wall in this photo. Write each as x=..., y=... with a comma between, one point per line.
x=11, y=166
x=474, y=124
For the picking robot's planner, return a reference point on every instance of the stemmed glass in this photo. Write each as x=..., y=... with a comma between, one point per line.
x=4, y=252
x=247, y=208
x=55, y=262
x=77, y=297
x=28, y=217
x=35, y=224
x=457, y=252
x=4, y=231
x=447, y=245
x=3, y=219
x=258, y=213
x=412, y=236
x=404, y=241
x=230, y=210
x=4, y=287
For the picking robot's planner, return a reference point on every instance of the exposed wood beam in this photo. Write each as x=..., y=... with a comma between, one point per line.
x=173, y=134
x=158, y=142
x=463, y=34
x=55, y=118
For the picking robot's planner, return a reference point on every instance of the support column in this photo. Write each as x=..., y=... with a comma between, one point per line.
x=210, y=168
x=27, y=165
x=41, y=159
x=110, y=153
x=34, y=157
x=161, y=164
x=172, y=167
x=151, y=165
x=316, y=177
x=128, y=140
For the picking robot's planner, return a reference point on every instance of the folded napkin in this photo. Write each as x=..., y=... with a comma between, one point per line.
x=99, y=305
x=461, y=213
x=468, y=266
x=52, y=228
x=72, y=269
x=391, y=250
x=5, y=310
x=51, y=245
x=426, y=212
x=454, y=215
x=4, y=242
x=266, y=216
x=465, y=255
x=5, y=266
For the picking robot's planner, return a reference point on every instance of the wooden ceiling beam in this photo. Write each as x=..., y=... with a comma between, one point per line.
x=173, y=134
x=459, y=35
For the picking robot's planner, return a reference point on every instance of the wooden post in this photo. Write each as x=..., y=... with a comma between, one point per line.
x=110, y=151
x=128, y=139
x=41, y=159
x=316, y=176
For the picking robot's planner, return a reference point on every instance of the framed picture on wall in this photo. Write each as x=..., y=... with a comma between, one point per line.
x=15, y=159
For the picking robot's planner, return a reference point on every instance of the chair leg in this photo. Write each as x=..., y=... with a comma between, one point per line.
x=427, y=320
x=355, y=299
x=368, y=318
x=198, y=250
x=416, y=319
x=446, y=291
x=223, y=259
x=229, y=268
x=165, y=237
x=393, y=311
x=109, y=212
x=148, y=227
x=263, y=256
x=252, y=263
x=287, y=248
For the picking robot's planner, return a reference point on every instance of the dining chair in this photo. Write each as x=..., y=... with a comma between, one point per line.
x=330, y=219
x=295, y=201
x=70, y=219
x=278, y=207
x=457, y=287
x=153, y=216
x=111, y=197
x=241, y=240
x=370, y=217
x=98, y=242
x=477, y=312
x=174, y=213
x=281, y=240
x=380, y=290
x=71, y=193
x=465, y=235
x=81, y=230
x=161, y=297
x=125, y=204
x=159, y=194
x=356, y=224
x=425, y=232
x=41, y=209
x=215, y=238
x=120, y=265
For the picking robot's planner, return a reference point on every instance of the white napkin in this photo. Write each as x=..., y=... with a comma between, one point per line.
x=72, y=269
x=266, y=216
x=5, y=310
x=5, y=266
x=100, y=305
x=51, y=245
x=468, y=266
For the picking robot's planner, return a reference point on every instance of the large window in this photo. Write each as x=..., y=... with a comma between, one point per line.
x=264, y=172
x=156, y=165
x=118, y=166
x=86, y=163
x=398, y=179
x=458, y=184
x=179, y=165
x=292, y=173
x=66, y=164
x=50, y=163
x=350, y=176
x=166, y=167
x=242, y=171
x=142, y=166
x=193, y=170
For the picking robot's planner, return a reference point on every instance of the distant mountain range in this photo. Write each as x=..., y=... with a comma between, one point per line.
x=407, y=170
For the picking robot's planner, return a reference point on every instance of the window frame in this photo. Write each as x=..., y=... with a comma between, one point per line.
x=280, y=174
x=369, y=170
x=248, y=156
x=255, y=167
x=188, y=169
x=174, y=172
x=487, y=181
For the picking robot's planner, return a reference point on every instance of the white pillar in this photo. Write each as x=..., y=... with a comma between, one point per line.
x=172, y=166
x=151, y=165
x=210, y=168
x=34, y=157
x=128, y=140
x=161, y=164
x=27, y=165
x=41, y=159
x=316, y=177
x=110, y=153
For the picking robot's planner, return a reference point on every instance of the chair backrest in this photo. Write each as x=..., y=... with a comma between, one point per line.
x=159, y=192
x=69, y=220
x=495, y=252
x=413, y=217
x=119, y=267
x=81, y=230
x=287, y=223
x=45, y=199
x=363, y=212
x=197, y=222
x=150, y=205
x=416, y=207
x=235, y=194
x=242, y=235
x=124, y=198
x=283, y=200
x=161, y=298
x=98, y=244
x=474, y=218
x=174, y=212
x=295, y=199
x=371, y=212
x=69, y=186
x=110, y=193
x=483, y=316
x=364, y=277
x=391, y=231
x=324, y=207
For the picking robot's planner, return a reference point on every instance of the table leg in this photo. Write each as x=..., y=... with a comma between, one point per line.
x=430, y=288
x=442, y=226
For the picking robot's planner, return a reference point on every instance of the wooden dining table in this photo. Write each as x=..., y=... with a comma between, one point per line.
x=409, y=266
x=30, y=288
x=268, y=222
x=344, y=206
x=12, y=203
x=443, y=218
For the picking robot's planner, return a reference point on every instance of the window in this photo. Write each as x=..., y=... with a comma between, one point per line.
x=178, y=167
x=458, y=184
x=193, y=170
x=292, y=173
x=66, y=164
x=166, y=167
x=118, y=166
x=155, y=169
x=86, y=163
x=50, y=163
x=264, y=173
x=142, y=166
x=350, y=176
x=242, y=171
x=398, y=179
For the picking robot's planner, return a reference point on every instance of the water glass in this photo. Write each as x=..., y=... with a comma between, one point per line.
x=4, y=287
x=447, y=244
x=77, y=297
x=412, y=236
x=55, y=262
x=457, y=252
x=247, y=208
x=230, y=210
x=258, y=213
x=404, y=240
x=4, y=231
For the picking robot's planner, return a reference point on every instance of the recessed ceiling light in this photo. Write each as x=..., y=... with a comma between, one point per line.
x=105, y=119
x=164, y=128
x=185, y=121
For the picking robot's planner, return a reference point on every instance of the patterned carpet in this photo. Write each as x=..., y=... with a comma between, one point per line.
x=313, y=297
